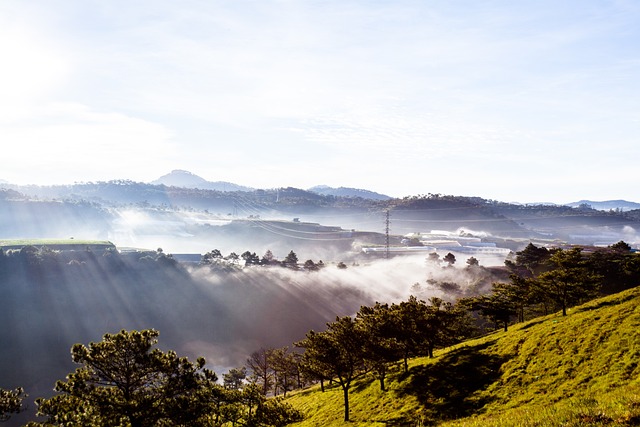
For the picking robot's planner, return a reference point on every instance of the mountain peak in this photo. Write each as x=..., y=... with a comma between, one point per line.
x=181, y=172
x=186, y=179
x=180, y=178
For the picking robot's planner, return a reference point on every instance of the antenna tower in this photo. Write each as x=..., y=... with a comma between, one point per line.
x=387, y=224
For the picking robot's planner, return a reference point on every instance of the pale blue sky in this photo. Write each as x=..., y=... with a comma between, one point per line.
x=509, y=100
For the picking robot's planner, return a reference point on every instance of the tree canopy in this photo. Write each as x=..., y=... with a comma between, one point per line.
x=336, y=353
x=124, y=382
x=11, y=402
x=569, y=281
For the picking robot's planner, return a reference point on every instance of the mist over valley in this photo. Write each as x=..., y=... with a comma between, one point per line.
x=192, y=218
x=155, y=276
x=292, y=178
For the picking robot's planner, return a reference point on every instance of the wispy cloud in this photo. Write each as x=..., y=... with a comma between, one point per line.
x=502, y=84
x=72, y=140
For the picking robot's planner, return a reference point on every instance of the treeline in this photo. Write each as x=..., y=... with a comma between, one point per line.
x=40, y=260
x=543, y=280
x=34, y=260
x=379, y=336
x=33, y=265
x=370, y=342
x=217, y=261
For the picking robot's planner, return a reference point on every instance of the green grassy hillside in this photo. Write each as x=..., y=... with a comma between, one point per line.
x=581, y=369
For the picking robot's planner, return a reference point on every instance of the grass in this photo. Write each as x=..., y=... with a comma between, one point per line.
x=581, y=369
x=369, y=405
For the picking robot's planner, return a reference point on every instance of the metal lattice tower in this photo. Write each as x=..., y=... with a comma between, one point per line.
x=387, y=226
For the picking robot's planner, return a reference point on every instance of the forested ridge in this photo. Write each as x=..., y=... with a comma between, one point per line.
x=97, y=201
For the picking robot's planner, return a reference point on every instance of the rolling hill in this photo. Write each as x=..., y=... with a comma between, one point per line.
x=348, y=192
x=104, y=210
x=581, y=369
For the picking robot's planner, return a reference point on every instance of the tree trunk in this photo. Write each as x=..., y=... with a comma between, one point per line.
x=382, y=373
x=345, y=391
x=135, y=421
x=275, y=384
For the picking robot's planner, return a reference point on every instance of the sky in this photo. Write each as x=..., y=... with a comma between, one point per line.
x=527, y=101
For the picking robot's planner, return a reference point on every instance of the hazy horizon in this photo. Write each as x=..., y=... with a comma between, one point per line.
x=151, y=181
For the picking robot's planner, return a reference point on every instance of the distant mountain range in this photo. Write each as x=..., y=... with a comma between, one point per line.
x=186, y=179
x=178, y=179
x=183, y=206
x=607, y=205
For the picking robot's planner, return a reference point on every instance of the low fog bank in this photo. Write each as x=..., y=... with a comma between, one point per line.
x=49, y=303
x=275, y=306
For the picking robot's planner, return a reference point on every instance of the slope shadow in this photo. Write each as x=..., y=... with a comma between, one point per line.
x=609, y=303
x=532, y=323
x=447, y=389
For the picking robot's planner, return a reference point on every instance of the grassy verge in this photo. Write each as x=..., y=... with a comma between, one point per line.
x=581, y=369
